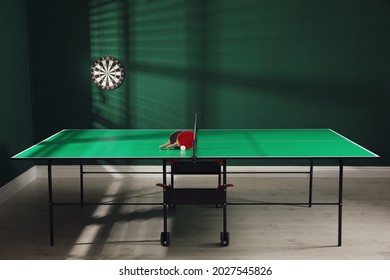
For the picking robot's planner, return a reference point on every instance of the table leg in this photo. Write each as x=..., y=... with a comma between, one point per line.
x=224, y=238
x=81, y=184
x=224, y=172
x=165, y=235
x=164, y=172
x=311, y=183
x=341, y=165
x=51, y=220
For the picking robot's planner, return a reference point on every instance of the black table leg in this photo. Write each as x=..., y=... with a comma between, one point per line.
x=224, y=238
x=165, y=235
x=311, y=183
x=51, y=222
x=340, y=201
x=81, y=184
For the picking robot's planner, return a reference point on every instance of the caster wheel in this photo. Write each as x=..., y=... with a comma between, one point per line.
x=165, y=239
x=224, y=239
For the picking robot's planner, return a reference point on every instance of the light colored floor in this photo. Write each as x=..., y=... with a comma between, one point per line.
x=256, y=232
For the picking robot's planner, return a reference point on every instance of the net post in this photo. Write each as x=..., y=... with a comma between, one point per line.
x=194, y=140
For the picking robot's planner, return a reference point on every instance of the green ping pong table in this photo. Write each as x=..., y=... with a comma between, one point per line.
x=213, y=148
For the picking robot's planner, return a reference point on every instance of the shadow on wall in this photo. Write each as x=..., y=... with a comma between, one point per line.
x=158, y=44
x=243, y=64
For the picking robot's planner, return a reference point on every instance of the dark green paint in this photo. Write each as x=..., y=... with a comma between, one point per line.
x=239, y=64
x=15, y=96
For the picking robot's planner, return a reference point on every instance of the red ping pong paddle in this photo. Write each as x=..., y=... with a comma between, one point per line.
x=185, y=139
x=172, y=139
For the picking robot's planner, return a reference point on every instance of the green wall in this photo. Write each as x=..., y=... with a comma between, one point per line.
x=15, y=97
x=60, y=64
x=239, y=64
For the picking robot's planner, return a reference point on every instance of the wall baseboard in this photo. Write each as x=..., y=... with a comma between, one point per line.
x=9, y=189
x=73, y=171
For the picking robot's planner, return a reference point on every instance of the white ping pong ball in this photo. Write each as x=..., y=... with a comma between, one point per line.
x=183, y=148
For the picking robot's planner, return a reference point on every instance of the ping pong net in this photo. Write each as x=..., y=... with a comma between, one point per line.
x=194, y=143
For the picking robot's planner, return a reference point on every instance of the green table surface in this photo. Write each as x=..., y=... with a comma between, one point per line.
x=212, y=143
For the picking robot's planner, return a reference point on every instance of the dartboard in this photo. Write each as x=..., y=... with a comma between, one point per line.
x=107, y=73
